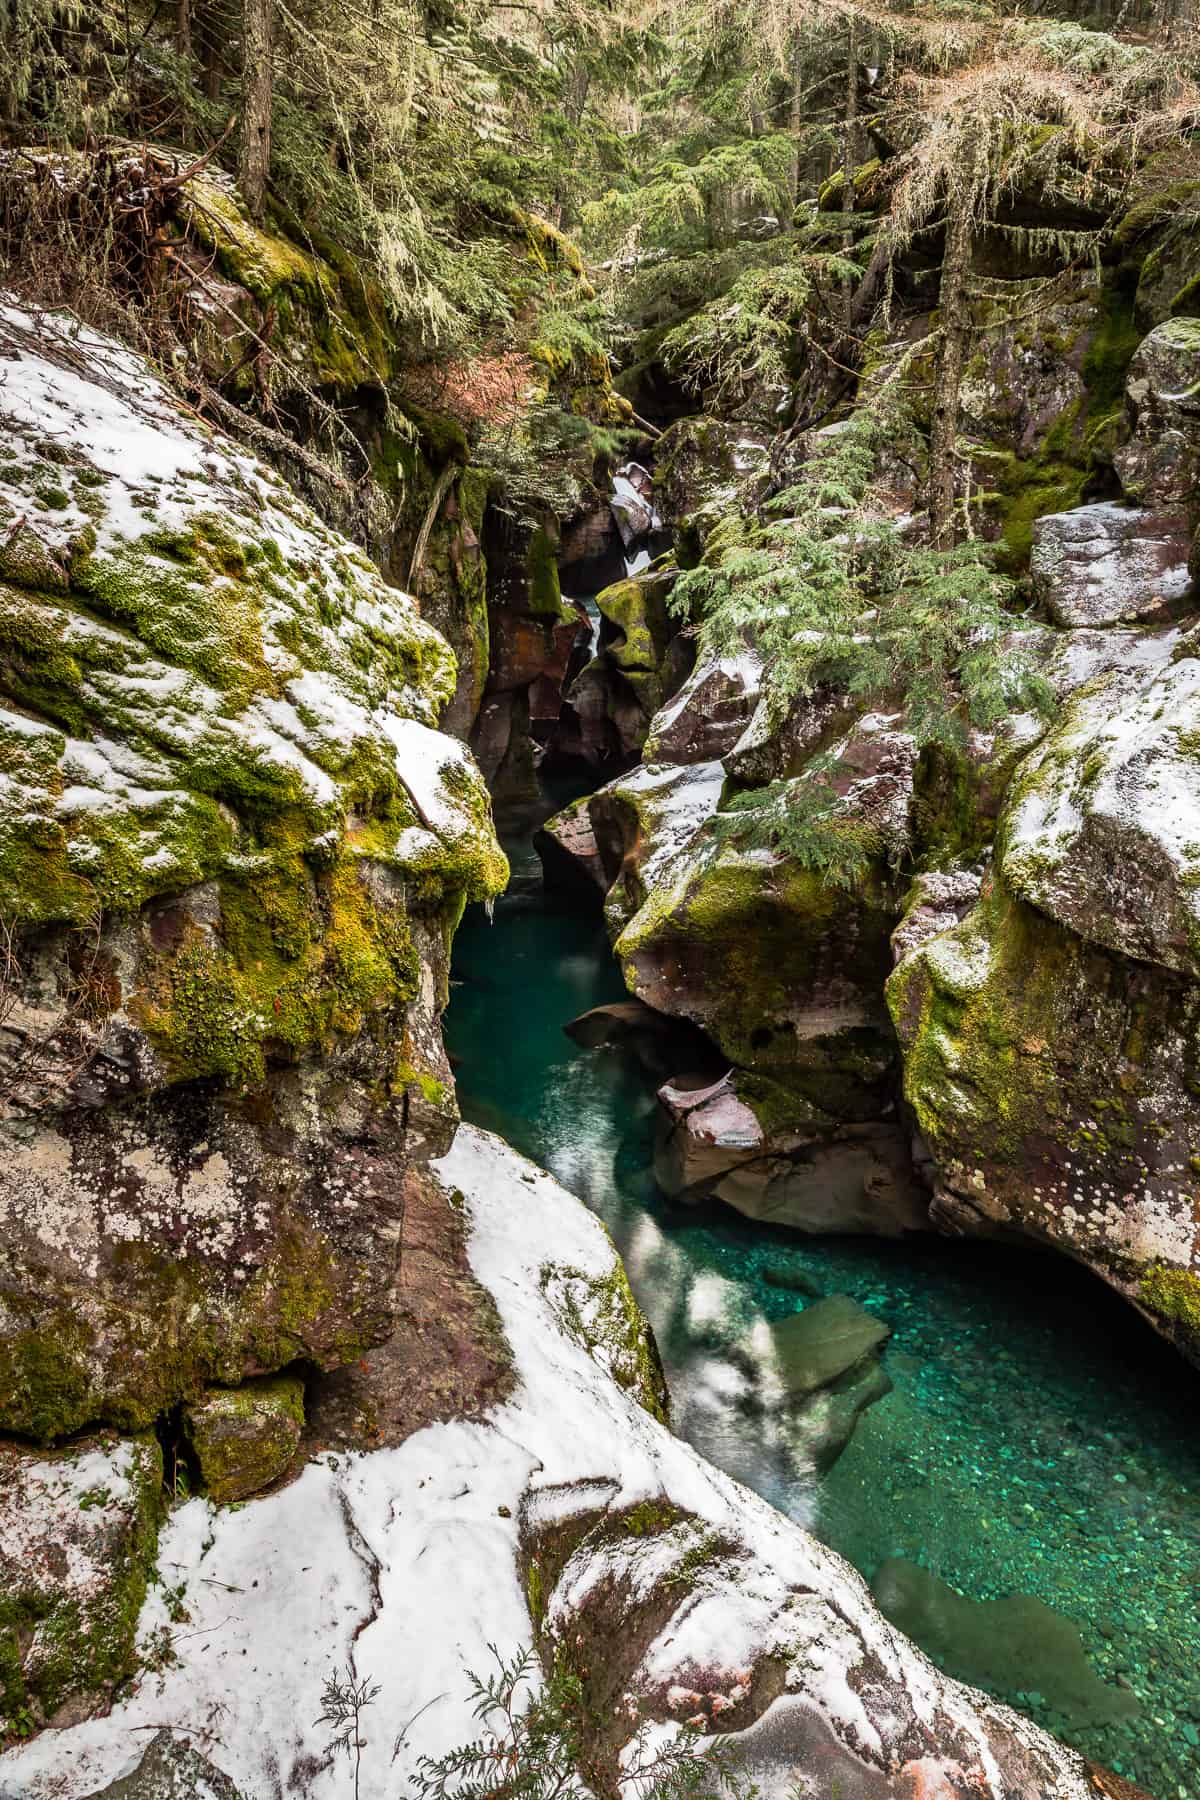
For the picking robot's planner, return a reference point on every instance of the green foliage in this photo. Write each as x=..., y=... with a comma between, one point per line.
x=752, y=332
x=533, y=1739
x=802, y=821
x=834, y=592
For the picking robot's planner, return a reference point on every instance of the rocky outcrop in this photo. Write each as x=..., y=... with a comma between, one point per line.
x=1048, y=1036
x=638, y=661
x=232, y=847
x=569, y=1517
x=170, y=1770
x=1160, y=463
x=1107, y=565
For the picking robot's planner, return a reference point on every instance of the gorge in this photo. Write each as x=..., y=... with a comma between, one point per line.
x=599, y=870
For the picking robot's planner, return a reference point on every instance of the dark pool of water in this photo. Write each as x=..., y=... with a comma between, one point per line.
x=1039, y=1440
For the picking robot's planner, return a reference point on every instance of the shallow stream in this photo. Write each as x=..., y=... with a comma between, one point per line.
x=1039, y=1440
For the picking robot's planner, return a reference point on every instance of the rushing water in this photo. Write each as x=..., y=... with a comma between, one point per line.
x=1038, y=1441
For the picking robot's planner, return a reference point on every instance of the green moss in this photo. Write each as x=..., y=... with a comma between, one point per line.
x=243, y=1438
x=1110, y=351
x=81, y=1643
x=1174, y=1295
x=600, y=1312
x=544, y=596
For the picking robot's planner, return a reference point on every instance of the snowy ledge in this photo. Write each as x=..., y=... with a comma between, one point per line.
x=407, y=1563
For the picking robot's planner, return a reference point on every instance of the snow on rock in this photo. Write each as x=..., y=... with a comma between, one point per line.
x=710, y=712
x=572, y=1511
x=1100, y=564
x=1102, y=829
x=233, y=847
x=204, y=618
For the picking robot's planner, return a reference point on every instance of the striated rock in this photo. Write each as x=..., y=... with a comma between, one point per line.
x=77, y=1538
x=170, y=1770
x=762, y=1150
x=570, y=1516
x=232, y=846
x=1160, y=464
x=1104, y=564
x=708, y=715
x=243, y=1438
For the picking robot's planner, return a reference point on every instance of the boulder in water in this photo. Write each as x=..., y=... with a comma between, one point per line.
x=1014, y=1645
x=828, y=1339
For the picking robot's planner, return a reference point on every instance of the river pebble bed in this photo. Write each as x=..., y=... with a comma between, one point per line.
x=1038, y=1439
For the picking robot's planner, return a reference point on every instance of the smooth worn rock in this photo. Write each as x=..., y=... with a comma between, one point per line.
x=243, y=1438
x=1049, y=1079
x=1105, y=564
x=570, y=855
x=77, y=1538
x=829, y=1338
x=591, y=554
x=709, y=714
x=170, y=1770
x=567, y=1515
x=660, y=1044
x=757, y=1147
x=1160, y=464
x=821, y=1429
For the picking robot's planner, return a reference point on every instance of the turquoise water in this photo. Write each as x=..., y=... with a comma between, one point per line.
x=1039, y=1440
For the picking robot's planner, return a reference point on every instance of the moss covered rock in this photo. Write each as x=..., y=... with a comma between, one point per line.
x=1053, y=1084
x=233, y=847
x=243, y=1438
x=77, y=1538
x=1160, y=464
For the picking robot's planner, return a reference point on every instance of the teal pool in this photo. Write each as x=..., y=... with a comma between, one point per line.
x=1038, y=1440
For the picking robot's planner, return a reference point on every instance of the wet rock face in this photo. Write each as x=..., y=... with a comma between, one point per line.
x=1160, y=464
x=77, y=1538
x=1108, y=564
x=232, y=844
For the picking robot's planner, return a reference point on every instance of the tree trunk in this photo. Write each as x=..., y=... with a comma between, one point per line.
x=183, y=27
x=955, y=328
x=574, y=100
x=850, y=152
x=254, y=156
x=797, y=118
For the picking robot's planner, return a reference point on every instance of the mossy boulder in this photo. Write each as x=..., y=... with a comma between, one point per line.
x=640, y=660
x=1160, y=464
x=78, y=1532
x=243, y=1438
x=233, y=847
x=1053, y=1084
